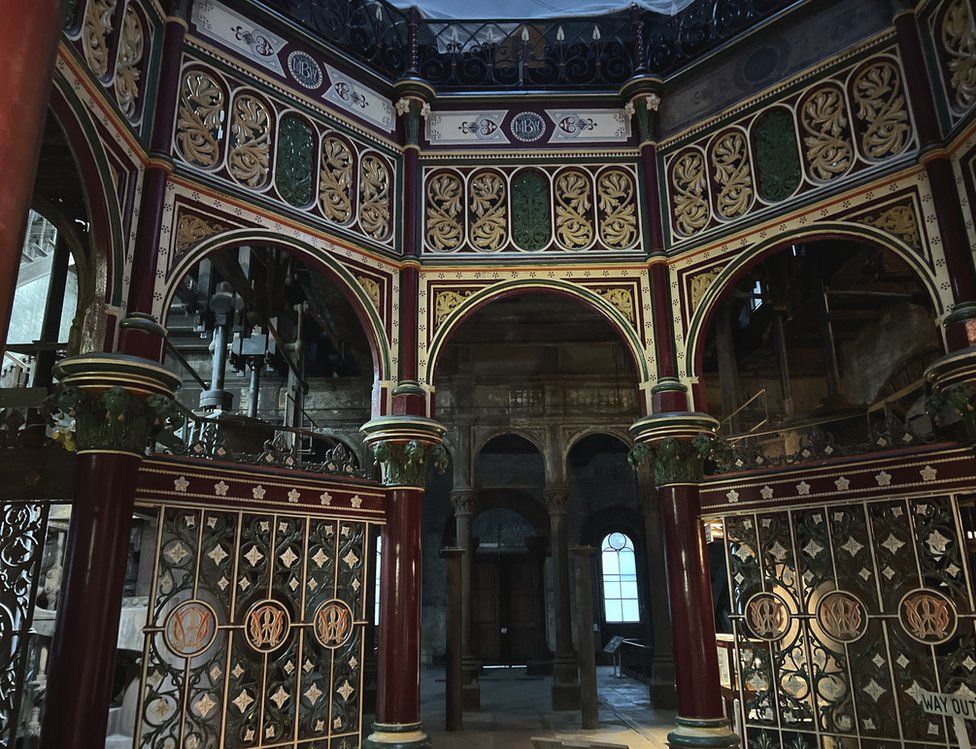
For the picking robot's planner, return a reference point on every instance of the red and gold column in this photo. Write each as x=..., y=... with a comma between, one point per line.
x=677, y=445
x=29, y=39
x=403, y=446
x=117, y=402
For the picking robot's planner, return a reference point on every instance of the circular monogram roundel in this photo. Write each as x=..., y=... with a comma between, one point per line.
x=767, y=616
x=842, y=616
x=928, y=616
x=266, y=625
x=190, y=628
x=332, y=623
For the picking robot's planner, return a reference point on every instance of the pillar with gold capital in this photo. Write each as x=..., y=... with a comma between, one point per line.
x=677, y=444
x=403, y=446
x=117, y=403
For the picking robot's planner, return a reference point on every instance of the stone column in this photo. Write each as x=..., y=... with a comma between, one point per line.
x=589, y=700
x=463, y=500
x=116, y=402
x=662, y=666
x=29, y=40
x=565, y=684
x=453, y=709
x=676, y=445
x=402, y=446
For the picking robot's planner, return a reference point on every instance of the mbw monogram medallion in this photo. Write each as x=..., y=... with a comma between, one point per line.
x=190, y=628
x=266, y=625
x=332, y=623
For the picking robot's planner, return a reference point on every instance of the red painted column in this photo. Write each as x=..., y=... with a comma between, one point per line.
x=29, y=40
x=690, y=591
x=403, y=446
x=116, y=403
x=140, y=335
x=676, y=446
x=83, y=651
x=398, y=683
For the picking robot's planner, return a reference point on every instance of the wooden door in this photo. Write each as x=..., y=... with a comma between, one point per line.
x=505, y=610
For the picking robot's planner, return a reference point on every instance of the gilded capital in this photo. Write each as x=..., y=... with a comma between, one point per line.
x=675, y=445
x=403, y=446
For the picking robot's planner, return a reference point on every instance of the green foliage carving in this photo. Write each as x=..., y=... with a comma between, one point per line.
x=776, y=156
x=116, y=418
x=296, y=161
x=405, y=463
x=679, y=460
x=530, y=210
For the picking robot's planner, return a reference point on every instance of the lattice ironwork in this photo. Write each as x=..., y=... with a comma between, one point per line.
x=592, y=53
x=255, y=632
x=23, y=535
x=843, y=614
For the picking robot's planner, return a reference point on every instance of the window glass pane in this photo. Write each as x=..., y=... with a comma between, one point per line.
x=628, y=590
x=611, y=589
x=628, y=566
x=610, y=563
x=614, y=611
x=629, y=611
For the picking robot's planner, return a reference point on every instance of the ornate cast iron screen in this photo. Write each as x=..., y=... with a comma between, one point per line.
x=256, y=616
x=843, y=612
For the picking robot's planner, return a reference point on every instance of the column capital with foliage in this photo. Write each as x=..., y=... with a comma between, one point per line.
x=118, y=402
x=676, y=446
x=403, y=446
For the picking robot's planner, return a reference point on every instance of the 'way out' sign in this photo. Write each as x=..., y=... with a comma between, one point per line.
x=954, y=706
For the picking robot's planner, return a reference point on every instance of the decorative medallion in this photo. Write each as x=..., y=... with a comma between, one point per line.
x=190, y=628
x=305, y=69
x=928, y=616
x=528, y=127
x=266, y=625
x=767, y=616
x=332, y=623
x=842, y=616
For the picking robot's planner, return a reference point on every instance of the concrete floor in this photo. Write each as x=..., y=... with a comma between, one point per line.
x=516, y=707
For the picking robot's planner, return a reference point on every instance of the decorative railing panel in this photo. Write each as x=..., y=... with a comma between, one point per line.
x=257, y=610
x=851, y=594
x=809, y=139
x=587, y=208
x=596, y=53
x=950, y=36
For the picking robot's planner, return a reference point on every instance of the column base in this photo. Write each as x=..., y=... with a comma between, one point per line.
x=702, y=733
x=565, y=683
x=396, y=735
x=661, y=685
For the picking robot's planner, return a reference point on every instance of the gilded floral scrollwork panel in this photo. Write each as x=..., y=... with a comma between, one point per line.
x=200, y=120
x=827, y=148
x=689, y=191
x=489, y=210
x=335, y=180
x=731, y=170
x=957, y=48
x=250, y=149
x=374, y=197
x=128, y=67
x=617, y=208
x=443, y=219
x=574, y=209
x=96, y=32
x=881, y=112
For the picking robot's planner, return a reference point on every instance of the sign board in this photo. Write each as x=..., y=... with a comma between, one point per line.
x=956, y=706
x=614, y=645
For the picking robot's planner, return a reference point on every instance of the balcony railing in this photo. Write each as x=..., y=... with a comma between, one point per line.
x=593, y=53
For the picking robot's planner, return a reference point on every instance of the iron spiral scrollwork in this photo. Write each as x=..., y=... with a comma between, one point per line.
x=572, y=53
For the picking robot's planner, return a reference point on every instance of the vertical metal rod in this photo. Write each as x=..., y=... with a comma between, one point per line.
x=254, y=388
x=219, y=362
x=453, y=715
x=589, y=701
x=784, y=362
x=827, y=341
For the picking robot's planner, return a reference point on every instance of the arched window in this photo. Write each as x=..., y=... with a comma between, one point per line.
x=619, y=579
